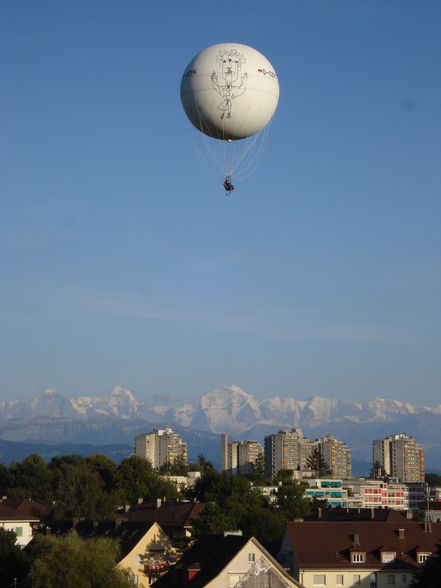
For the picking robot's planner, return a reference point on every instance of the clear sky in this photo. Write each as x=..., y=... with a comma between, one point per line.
x=122, y=263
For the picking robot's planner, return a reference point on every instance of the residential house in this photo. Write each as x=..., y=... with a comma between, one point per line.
x=227, y=561
x=146, y=550
x=176, y=518
x=21, y=516
x=365, y=553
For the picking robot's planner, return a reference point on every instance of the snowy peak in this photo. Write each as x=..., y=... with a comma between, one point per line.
x=229, y=405
x=120, y=403
x=229, y=409
x=51, y=404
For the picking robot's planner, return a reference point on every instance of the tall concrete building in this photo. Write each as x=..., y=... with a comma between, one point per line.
x=239, y=457
x=286, y=450
x=400, y=457
x=337, y=455
x=290, y=450
x=161, y=447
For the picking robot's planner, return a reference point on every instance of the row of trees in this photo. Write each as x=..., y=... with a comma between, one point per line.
x=92, y=487
x=61, y=561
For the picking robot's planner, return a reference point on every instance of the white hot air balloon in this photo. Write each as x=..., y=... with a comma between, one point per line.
x=230, y=92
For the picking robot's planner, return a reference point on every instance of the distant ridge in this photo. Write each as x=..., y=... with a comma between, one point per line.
x=118, y=416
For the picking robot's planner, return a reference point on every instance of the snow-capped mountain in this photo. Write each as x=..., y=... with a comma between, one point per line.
x=229, y=409
x=119, y=416
x=234, y=411
x=50, y=403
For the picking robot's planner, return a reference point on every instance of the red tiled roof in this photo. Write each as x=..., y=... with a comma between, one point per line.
x=21, y=510
x=176, y=515
x=324, y=544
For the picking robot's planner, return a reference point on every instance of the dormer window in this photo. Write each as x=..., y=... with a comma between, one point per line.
x=423, y=556
x=387, y=556
x=358, y=557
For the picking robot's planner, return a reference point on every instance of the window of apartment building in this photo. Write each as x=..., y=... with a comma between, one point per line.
x=319, y=580
x=339, y=580
x=251, y=557
x=373, y=580
x=19, y=531
x=390, y=580
x=423, y=557
x=356, y=579
x=404, y=579
x=387, y=556
x=358, y=557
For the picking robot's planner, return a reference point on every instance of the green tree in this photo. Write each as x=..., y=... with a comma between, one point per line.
x=433, y=479
x=79, y=492
x=430, y=576
x=14, y=562
x=4, y=479
x=106, y=468
x=292, y=502
x=137, y=479
x=377, y=472
x=316, y=462
x=32, y=478
x=214, y=520
x=284, y=476
x=204, y=464
x=233, y=503
x=177, y=468
x=257, y=475
x=71, y=562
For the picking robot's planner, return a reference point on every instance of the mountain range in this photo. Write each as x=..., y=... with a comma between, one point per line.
x=119, y=416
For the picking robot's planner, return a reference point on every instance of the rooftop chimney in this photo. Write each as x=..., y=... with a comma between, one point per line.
x=400, y=533
x=158, y=503
x=140, y=500
x=193, y=570
x=356, y=539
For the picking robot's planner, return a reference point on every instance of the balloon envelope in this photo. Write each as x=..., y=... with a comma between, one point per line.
x=229, y=91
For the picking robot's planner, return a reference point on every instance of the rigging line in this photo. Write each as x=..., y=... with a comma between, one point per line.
x=245, y=152
x=254, y=156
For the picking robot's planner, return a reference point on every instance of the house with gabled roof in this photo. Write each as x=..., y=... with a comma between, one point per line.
x=21, y=516
x=227, y=561
x=176, y=518
x=146, y=550
x=364, y=553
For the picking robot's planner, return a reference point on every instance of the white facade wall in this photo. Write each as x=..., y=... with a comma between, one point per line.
x=22, y=529
x=354, y=577
x=160, y=447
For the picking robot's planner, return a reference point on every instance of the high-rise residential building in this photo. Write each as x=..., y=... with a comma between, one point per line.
x=239, y=457
x=286, y=450
x=400, y=457
x=337, y=456
x=161, y=447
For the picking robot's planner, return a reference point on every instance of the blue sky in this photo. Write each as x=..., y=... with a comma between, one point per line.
x=122, y=263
